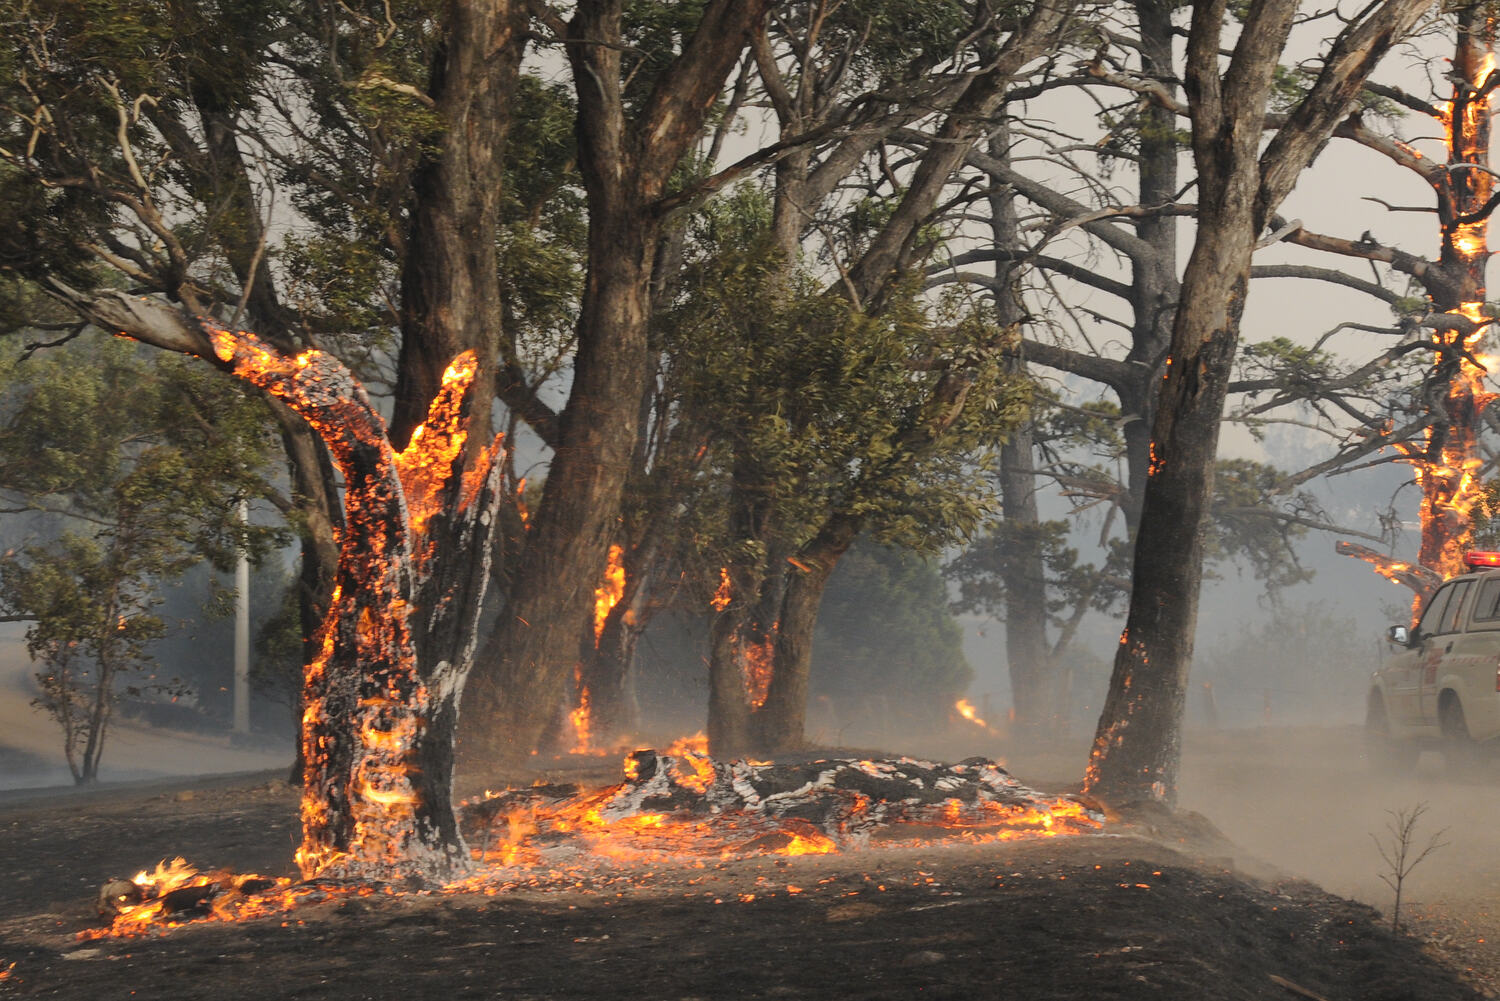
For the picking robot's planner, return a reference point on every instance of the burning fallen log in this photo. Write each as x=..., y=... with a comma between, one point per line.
x=691, y=802
x=176, y=891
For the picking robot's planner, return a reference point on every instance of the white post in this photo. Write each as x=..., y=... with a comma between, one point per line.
x=242, y=634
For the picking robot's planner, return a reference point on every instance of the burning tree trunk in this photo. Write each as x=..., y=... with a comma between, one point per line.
x=1446, y=467
x=1137, y=746
x=601, y=710
x=781, y=719
x=742, y=657
x=381, y=699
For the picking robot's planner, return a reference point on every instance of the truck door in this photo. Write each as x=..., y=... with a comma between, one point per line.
x=1446, y=631
x=1408, y=667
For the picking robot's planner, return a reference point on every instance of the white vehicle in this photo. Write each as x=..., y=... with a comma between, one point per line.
x=1442, y=687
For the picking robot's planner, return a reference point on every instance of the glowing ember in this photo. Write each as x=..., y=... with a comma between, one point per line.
x=672, y=809
x=176, y=892
x=693, y=805
x=759, y=663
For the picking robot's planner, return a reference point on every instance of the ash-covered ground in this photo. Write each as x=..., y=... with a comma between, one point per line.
x=1164, y=909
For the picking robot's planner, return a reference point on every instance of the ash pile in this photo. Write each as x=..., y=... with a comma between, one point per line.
x=842, y=803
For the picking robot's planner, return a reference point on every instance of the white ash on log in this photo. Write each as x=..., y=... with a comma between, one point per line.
x=848, y=802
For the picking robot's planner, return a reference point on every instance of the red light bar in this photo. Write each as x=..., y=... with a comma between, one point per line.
x=1481, y=559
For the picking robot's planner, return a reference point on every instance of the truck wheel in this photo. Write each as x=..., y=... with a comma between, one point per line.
x=1383, y=751
x=1459, y=749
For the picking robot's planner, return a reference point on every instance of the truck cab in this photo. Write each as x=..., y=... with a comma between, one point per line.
x=1442, y=687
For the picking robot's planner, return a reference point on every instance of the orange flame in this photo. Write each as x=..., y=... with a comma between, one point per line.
x=724, y=595
x=426, y=464
x=967, y=711
x=515, y=845
x=759, y=661
x=387, y=509
x=608, y=594
x=579, y=720
x=1447, y=469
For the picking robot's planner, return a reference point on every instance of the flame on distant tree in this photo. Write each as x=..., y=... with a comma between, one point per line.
x=966, y=709
x=1446, y=464
x=755, y=647
x=1447, y=469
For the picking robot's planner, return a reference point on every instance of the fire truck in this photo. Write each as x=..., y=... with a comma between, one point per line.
x=1441, y=688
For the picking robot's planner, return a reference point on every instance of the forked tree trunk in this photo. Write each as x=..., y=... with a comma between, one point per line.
x=760, y=659
x=781, y=721
x=381, y=699
x=626, y=161
x=1137, y=746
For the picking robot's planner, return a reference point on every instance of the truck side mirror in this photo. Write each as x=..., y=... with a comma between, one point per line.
x=1399, y=634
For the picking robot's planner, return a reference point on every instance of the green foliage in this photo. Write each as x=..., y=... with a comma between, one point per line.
x=141, y=463
x=810, y=405
x=1248, y=525
x=888, y=40
x=1484, y=518
x=884, y=631
x=979, y=571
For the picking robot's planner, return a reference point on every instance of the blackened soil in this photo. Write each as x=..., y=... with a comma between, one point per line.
x=1143, y=915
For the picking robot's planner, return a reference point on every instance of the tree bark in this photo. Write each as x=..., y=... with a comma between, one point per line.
x=450, y=285
x=1450, y=463
x=626, y=163
x=1024, y=576
x=779, y=724
x=381, y=699
x=1137, y=746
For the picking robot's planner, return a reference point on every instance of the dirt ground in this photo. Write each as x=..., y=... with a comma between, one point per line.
x=1169, y=910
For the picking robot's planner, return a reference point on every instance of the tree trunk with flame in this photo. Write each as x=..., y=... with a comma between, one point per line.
x=628, y=153
x=1446, y=469
x=381, y=697
x=1137, y=745
x=1446, y=462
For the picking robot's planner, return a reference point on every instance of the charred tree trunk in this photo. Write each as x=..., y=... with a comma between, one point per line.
x=381, y=700
x=1447, y=469
x=450, y=287
x=607, y=669
x=535, y=645
x=1137, y=747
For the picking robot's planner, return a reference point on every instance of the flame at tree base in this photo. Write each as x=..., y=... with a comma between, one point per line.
x=681, y=809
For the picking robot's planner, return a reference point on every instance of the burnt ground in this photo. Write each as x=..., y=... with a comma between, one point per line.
x=1153, y=912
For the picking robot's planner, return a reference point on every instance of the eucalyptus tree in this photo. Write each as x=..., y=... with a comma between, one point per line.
x=1137, y=746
